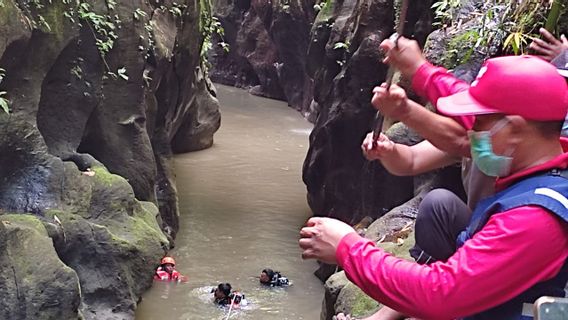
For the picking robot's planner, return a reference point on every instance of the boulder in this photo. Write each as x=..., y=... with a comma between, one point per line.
x=36, y=284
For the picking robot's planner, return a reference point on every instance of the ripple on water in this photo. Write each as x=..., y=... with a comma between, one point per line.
x=204, y=295
x=305, y=132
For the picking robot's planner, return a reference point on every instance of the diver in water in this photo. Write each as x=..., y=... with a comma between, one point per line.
x=224, y=296
x=167, y=272
x=273, y=278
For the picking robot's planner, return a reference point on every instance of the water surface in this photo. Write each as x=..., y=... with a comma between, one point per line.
x=242, y=203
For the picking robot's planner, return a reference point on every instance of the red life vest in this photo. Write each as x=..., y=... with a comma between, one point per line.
x=163, y=275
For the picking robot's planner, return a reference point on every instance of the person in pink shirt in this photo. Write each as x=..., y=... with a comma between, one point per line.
x=515, y=248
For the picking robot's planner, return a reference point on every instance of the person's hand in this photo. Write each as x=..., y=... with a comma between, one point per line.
x=390, y=102
x=550, y=48
x=342, y=316
x=320, y=238
x=376, y=149
x=406, y=56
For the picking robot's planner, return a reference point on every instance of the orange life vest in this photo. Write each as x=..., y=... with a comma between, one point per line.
x=163, y=275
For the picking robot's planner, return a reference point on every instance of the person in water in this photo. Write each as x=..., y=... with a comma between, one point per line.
x=225, y=296
x=167, y=272
x=273, y=278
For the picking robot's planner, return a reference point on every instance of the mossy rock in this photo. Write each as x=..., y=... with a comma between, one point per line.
x=352, y=300
x=400, y=249
x=111, y=239
x=37, y=285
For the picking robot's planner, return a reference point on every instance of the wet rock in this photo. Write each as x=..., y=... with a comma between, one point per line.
x=110, y=239
x=27, y=171
x=75, y=122
x=343, y=296
x=345, y=65
x=196, y=130
x=333, y=287
x=268, y=42
x=114, y=252
x=35, y=283
x=325, y=271
x=351, y=300
x=56, y=76
x=232, y=67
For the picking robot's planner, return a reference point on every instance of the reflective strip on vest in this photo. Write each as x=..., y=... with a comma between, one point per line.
x=552, y=194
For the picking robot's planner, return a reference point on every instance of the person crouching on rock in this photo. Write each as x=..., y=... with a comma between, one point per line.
x=273, y=278
x=167, y=272
x=224, y=296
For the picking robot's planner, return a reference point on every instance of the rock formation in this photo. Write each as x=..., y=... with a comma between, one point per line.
x=268, y=42
x=345, y=63
x=94, y=86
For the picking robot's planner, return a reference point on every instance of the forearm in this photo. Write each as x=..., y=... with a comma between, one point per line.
x=443, y=132
x=417, y=159
x=479, y=270
x=400, y=161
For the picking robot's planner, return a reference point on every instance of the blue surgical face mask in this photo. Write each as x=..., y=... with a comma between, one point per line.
x=482, y=152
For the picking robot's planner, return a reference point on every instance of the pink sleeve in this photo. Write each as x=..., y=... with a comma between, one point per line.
x=433, y=82
x=515, y=250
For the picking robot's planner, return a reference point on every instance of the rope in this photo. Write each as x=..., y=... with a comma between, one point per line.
x=231, y=307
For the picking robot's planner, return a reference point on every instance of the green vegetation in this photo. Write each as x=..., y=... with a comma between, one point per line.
x=445, y=11
x=341, y=45
x=363, y=305
x=104, y=25
x=103, y=176
x=25, y=220
x=324, y=9
x=210, y=26
x=460, y=49
x=518, y=24
x=4, y=103
x=344, y=47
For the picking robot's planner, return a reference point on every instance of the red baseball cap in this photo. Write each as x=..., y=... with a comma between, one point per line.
x=515, y=85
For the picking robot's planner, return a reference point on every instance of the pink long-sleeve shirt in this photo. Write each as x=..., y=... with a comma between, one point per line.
x=515, y=249
x=433, y=82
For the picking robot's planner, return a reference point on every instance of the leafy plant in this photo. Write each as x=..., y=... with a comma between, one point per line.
x=122, y=73
x=177, y=9
x=210, y=26
x=139, y=13
x=517, y=41
x=521, y=22
x=4, y=103
x=341, y=45
x=518, y=23
x=445, y=12
x=102, y=27
x=77, y=71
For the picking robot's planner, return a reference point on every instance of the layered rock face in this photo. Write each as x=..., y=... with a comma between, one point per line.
x=94, y=86
x=268, y=42
x=345, y=63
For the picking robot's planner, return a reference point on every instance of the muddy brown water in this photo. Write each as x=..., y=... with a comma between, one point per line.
x=242, y=203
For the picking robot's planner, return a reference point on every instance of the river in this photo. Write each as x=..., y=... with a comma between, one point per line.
x=242, y=203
